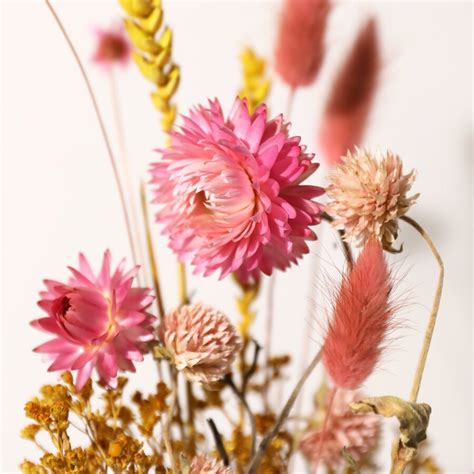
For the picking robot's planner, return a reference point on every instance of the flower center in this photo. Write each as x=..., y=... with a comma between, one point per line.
x=62, y=306
x=112, y=47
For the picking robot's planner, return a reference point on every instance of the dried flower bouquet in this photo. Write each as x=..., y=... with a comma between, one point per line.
x=228, y=190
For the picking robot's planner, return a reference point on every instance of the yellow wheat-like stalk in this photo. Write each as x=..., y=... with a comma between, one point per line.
x=153, y=53
x=256, y=83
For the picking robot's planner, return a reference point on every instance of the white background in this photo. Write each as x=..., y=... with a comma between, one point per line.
x=59, y=196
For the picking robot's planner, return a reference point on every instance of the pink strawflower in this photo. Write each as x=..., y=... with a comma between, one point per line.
x=230, y=192
x=201, y=342
x=203, y=464
x=350, y=101
x=357, y=433
x=112, y=46
x=362, y=318
x=300, y=47
x=99, y=321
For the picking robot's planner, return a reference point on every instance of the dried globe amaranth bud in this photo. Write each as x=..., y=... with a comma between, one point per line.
x=368, y=193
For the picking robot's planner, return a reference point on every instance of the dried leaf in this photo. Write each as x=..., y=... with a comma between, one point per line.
x=413, y=417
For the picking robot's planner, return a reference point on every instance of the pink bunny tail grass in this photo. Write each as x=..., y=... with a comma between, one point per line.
x=350, y=101
x=362, y=318
x=299, y=50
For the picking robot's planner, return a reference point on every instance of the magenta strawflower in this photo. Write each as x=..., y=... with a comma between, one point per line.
x=99, y=321
x=230, y=192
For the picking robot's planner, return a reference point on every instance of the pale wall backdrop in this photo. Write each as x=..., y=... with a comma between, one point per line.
x=59, y=196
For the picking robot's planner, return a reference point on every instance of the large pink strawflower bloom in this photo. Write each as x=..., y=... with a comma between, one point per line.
x=98, y=321
x=357, y=433
x=201, y=342
x=230, y=192
x=203, y=464
x=300, y=47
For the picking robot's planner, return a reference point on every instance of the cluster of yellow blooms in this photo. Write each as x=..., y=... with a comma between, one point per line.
x=128, y=437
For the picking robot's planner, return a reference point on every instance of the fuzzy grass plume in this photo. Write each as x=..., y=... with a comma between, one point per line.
x=299, y=51
x=361, y=320
x=352, y=95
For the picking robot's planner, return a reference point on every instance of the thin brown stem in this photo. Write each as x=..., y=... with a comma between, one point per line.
x=191, y=418
x=219, y=442
x=182, y=286
x=167, y=426
x=241, y=396
x=151, y=253
x=268, y=336
x=327, y=416
x=345, y=246
x=290, y=102
x=253, y=367
x=434, y=310
x=102, y=127
x=253, y=466
x=127, y=174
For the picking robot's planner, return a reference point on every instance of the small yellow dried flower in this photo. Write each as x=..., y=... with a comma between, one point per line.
x=369, y=194
x=37, y=411
x=30, y=432
x=27, y=467
x=114, y=450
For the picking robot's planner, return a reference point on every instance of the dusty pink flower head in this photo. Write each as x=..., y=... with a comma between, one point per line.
x=203, y=464
x=357, y=433
x=300, y=48
x=230, y=192
x=201, y=342
x=368, y=194
x=352, y=94
x=112, y=46
x=98, y=321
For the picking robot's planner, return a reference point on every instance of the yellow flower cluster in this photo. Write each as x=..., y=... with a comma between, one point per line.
x=256, y=84
x=153, y=55
x=130, y=437
x=109, y=430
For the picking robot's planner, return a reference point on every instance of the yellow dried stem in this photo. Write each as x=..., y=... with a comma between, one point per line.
x=256, y=84
x=434, y=310
x=151, y=253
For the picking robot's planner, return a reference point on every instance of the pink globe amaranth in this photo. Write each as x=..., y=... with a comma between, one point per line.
x=201, y=342
x=99, y=321
x=230, y=192
x=355, y=432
